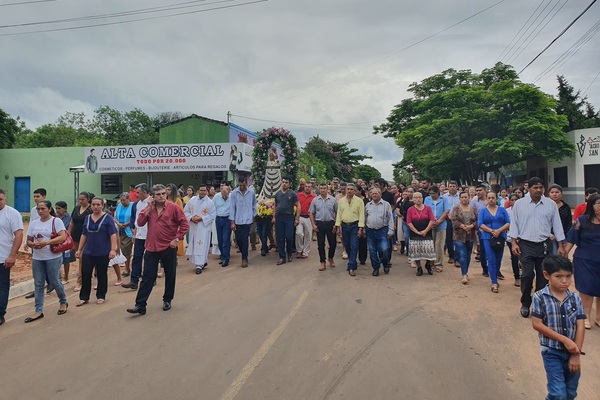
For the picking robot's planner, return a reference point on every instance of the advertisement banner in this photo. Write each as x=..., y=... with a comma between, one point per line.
x=169, y=158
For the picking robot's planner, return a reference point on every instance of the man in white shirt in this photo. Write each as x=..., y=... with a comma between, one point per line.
x=11, y=237
x=139, y=232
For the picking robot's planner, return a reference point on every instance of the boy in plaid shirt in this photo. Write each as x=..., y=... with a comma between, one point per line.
x=558, y=316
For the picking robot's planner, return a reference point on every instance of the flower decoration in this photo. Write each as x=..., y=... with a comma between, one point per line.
x=260, y=156
x=265, y=208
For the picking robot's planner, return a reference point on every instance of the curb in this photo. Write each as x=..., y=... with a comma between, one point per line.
x=21, y=289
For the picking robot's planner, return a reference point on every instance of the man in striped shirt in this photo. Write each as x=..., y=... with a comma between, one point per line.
x=534, y=219
x=380, y=228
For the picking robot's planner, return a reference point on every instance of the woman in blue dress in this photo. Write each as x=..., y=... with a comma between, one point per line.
x=585, y=233
x=493, y=221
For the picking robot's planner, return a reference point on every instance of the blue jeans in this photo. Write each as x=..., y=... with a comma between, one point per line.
x=562, y=384
x=285, y=230
x=406, y=231
x=263, y=225
x=137, y=259
x=241, y=237
x=350, y=239
x=224, y=237
x=449, y=241
x=379, y=246
x=51, y=269
x=494, y=260
x=482, y=254
x=462, y=254
x=4, y=288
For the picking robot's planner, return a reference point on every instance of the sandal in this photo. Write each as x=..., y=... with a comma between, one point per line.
x=100, y=301
x=587, y=324
x=495, y=288
x=81, y=302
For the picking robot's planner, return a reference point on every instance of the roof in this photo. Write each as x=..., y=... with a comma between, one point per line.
x=196, y=117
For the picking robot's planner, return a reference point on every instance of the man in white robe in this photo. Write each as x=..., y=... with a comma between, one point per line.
x=201, y=213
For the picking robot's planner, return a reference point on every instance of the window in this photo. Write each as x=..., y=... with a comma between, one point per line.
x=561, y=176
x=112, y=184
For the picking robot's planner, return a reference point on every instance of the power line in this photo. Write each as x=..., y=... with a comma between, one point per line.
x=140, y=19
x=306, y=124
x=569, y=53
x=517, y=34
x=559, y=35
x=586, y=89
x=169, y=7
x=25, y=2
x=525, y=45
x=376, y=61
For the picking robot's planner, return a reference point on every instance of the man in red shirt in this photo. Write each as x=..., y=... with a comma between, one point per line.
x=132, y=193
x=167, y=225
x=580, y=209
x=304, y=228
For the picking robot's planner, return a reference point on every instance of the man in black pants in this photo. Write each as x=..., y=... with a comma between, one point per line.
x=534, y=219
x=322, y=212
x=167, y=225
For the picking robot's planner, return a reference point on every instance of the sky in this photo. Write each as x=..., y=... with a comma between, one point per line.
x=332, y=68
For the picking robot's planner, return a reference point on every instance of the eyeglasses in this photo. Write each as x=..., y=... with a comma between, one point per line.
x=160, y=194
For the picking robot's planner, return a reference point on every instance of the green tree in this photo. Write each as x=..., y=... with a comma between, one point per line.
x=308, y=160
x=10, y=129
x=578, y=111
x=460, y=124
x=401, y=174
x=123, y=128
x=338, y=158
x=365, y=172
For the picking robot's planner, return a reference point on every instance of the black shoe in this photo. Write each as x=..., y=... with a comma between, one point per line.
x=500, y=276
x=31, y=319
x=486, y=274
x=2, y=320
x=376, y=272
x=125, y=274
x=386, y=269
x=130, y=285
x=351, y=272
x=220, y=261
x=198, y=270
x=289, y=258
x=524, y=312
x=48, y=291
x=428, y=268
x=137, y=310
x=262, y=253
x=225, y=263
x=419, y=271
x=30, y=295
x=166, y=305
x=362, y=262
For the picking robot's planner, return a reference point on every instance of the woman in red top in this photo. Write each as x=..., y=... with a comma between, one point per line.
x=420, y=222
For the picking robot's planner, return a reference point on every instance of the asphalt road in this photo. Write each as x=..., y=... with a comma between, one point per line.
x=286, y=332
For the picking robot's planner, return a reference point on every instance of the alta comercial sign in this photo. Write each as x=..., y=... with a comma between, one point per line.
x=169, y=158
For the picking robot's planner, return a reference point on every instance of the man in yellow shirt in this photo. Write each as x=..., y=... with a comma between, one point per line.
x=350, y=221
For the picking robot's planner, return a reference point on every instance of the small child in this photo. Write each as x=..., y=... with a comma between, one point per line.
x=558, y=316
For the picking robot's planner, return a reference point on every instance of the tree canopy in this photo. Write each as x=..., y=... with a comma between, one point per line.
x=9, y=129
x=365, y=172
x=338, y=158
x=460, y=124
x=578, y=111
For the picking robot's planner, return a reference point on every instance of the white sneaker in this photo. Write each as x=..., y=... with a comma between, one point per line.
x=344, y=256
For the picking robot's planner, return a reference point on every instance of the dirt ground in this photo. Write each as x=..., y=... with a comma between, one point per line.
x=22, y=270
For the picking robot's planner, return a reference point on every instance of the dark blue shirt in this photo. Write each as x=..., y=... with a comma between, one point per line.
x=98, y=235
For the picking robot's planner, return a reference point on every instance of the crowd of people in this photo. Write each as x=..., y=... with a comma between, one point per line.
x=149, y=227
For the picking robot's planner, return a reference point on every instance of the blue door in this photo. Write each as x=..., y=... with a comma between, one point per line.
x=22, y=193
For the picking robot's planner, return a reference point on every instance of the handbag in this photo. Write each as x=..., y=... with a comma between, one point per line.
x=497, y=243
x=64, y=246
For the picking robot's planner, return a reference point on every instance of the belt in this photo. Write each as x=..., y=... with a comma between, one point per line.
x=219, y=216
x=529, y=241
x=304, y=216
x=377, y=229
x=350, y=223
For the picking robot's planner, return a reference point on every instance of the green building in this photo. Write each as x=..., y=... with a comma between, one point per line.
x=62, y=170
